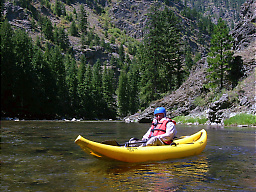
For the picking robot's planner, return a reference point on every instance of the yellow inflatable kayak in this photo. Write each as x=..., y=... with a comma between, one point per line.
x=186, y=146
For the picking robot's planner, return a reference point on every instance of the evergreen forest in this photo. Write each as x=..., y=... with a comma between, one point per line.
x=43, y=78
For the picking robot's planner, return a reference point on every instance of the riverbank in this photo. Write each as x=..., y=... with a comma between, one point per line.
x=239, y=120
x=60, y=120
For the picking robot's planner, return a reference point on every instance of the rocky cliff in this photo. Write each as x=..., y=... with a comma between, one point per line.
x=244, y=34
x=193, y=100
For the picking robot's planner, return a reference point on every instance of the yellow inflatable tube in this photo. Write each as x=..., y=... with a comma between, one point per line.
x=187, y=146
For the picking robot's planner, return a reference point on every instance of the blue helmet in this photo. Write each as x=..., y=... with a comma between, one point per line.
x=160, y=110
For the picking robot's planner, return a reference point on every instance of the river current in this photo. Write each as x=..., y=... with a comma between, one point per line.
x=42, y=156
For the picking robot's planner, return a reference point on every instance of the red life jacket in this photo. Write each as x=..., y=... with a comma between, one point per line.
x=160, y=128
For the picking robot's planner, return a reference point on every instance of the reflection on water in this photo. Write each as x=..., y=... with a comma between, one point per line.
x=162, y=176
x=155, y=176
x=42, y=156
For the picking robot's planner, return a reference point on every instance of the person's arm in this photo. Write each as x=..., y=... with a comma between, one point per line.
x=170, y=132
x=146, y=136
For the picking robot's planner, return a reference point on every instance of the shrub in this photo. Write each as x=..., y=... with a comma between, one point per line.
x=199, y=101
x=241, y=119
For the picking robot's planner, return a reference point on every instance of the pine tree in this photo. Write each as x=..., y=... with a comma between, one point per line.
x=82, y=86
x=72, y=83
x=61, y=38
x=73, y=29
x=83, y=41
x=47, y=28
x=8, y=69
x=57, y=8
x=58, y=68
x=108, y=92
x=148, y=75
x=220, y=56
x=171, y=68
x=23, y=51
x=83, y=24
x=44, y=86
x=121, y=53
x=82, y=69
x=122, y=94
x=50, y=83
x=152, y=59
x=86, y=101
x=88, y=93
x=97, y=89
x=133, y=79
x=160, y=56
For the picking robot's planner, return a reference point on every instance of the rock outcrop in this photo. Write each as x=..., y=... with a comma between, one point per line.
x=17, y=16
x=244, y=35
x=242, y=99
x=216, y=110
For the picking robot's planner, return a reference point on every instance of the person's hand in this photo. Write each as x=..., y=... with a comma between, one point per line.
x=154, y=122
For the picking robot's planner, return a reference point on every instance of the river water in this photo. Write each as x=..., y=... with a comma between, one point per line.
x=42, y=156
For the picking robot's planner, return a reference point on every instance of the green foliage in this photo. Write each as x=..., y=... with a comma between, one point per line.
x=197, y=57
x=61, y=38
x=204, y=24
x=83, y=23
x=47, y=27
x=90, y=38
x=99, y=104
x=72, y=82
x=113, y=40
x=69, y=17
x=8, y=68
x=159, y=57
x=108, y=89
x=73, y=29
x=202, y=7
x=128, y=90
x=59, y=8
x=199, y=101
x=121, y=53
x=133, y=79
x=44, y=80
x=37, y=84
x=123, y=95
x=85, y=91
x=115, y=32
x=132, y=48
x=220, y=56
x=241, y=119
x=26, y=81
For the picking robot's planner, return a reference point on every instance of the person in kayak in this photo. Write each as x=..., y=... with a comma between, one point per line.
x=162, y=130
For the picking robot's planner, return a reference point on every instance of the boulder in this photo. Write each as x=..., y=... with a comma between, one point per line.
x=216, y=112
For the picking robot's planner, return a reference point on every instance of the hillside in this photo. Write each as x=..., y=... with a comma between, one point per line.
x=126, y=20
x=228, y=10
x=129, y=17
x=191, y=99
x=116, y=28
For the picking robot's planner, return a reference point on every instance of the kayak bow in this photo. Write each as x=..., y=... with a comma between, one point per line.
x=187, y=146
